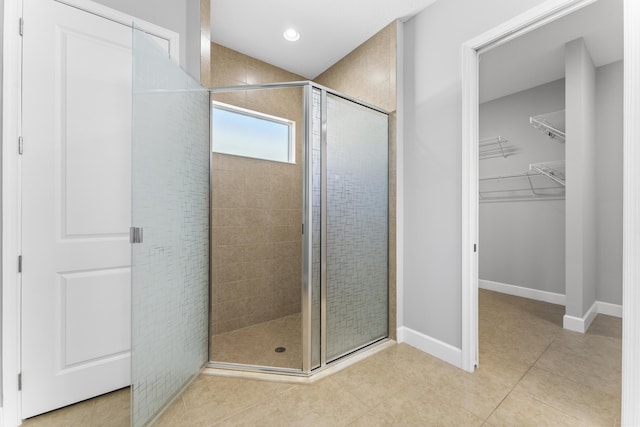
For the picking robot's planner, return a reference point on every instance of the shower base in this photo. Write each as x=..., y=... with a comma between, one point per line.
x=256, y=345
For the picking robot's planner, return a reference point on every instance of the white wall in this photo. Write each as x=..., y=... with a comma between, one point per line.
x=580, y=84
x=1, y=210
x=432, y=159
x=609, y=183
x=176, y=15
x=522, y=243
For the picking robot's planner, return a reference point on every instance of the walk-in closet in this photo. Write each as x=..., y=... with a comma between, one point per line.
x=550, y=166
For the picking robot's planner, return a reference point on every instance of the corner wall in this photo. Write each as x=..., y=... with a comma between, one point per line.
x=205, y=43
x=256, y=206
x=580, y=89
x=368, y=72
x=609, y=182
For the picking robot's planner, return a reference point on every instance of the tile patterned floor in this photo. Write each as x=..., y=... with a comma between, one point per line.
x=255, y=345
x=532, y=373
x=112, y=410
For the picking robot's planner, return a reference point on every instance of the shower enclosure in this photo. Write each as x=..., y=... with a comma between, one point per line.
x=300, y=243
x=260, y=228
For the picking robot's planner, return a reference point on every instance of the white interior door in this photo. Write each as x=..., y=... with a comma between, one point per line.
x=76, y=206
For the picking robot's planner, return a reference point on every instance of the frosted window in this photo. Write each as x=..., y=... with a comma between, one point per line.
x=248, y=133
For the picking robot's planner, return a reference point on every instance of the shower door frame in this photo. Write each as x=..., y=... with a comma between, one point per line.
x=307, y=238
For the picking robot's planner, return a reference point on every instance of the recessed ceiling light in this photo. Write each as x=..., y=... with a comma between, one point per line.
x=291, y=34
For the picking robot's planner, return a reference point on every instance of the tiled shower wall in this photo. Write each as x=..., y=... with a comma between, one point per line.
x=205, y=43
x=256, y=207
x=256, y=241
x=369, y=73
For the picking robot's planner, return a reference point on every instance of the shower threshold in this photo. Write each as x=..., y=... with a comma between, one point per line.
x=267, y=373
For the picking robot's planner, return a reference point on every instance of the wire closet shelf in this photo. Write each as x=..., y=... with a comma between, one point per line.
x=496, y=146
x=550, y=124
x=542, y=181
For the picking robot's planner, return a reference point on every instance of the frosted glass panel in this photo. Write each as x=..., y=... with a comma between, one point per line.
x=170, y=174
x=357, y=226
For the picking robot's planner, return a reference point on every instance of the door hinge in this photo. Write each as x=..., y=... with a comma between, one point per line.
x=474, y=247
x=20, y=381
x=20, y=145
x=19, y=263
x=21, y=26
x=302, y=228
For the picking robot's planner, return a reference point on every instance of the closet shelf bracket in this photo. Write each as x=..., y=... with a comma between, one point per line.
x=553, y=170
x=551, y=124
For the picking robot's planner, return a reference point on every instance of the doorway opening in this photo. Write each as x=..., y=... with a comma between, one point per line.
x=517, y=27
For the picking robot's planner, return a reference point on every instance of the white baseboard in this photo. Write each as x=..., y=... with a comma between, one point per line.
x=580, y=324
x=570, y=322
x=520, y=291
x=432, y=346
x=609, y=309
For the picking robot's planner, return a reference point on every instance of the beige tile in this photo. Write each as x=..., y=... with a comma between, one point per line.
x=607, y=326
x=603, y=348
x=590, y=406
x=205, y=16
x=521, y=409
x=255, y=345
x=264, y=414
x=175, y=416
x=112, y=409
x=324, y=403
x=476, y=393
x=501, y=368
x=514, y=344
x=401, y=385
x=414, y=406
x=372, y=419
x=78, y=415
x=371, y=381
x=592, y=371
x=210, y=399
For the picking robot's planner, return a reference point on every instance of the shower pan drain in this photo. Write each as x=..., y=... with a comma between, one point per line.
x=280, y=349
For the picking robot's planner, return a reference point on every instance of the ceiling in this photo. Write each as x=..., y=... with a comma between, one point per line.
x=538, y=57
x=329, y=29
x=337, y=27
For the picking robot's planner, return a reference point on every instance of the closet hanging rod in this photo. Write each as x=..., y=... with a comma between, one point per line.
x=517, y=175
x=493, y=140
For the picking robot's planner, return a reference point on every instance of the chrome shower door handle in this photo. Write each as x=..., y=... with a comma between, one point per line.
x=135, y=235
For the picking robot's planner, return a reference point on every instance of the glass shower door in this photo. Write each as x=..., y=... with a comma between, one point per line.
x=356, y=231
x=170, y=208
